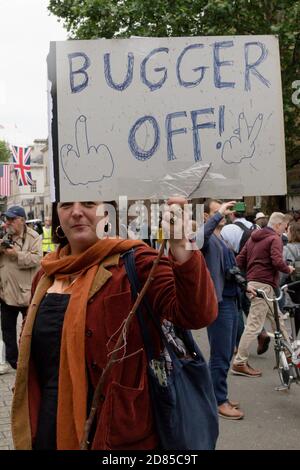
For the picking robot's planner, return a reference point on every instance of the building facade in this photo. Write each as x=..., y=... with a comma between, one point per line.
x=32, y=197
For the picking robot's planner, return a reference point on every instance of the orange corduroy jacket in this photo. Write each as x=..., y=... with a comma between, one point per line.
x=182, y=293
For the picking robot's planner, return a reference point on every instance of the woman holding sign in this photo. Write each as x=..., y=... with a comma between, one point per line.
x=81, y=298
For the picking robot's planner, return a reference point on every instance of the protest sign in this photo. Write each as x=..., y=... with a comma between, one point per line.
x=146, y=117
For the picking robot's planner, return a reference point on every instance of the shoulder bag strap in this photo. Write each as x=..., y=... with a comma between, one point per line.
x=129, y=261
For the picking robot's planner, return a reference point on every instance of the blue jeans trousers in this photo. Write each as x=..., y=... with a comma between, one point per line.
x=222, y=337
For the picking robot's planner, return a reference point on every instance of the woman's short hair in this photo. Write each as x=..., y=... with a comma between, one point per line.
x=294, y=232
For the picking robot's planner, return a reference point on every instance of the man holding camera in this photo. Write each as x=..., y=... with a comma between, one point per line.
x=227, y=280
x=20, y=256
x=237, y=234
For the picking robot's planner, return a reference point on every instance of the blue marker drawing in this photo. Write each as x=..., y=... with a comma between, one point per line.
x=170, y=132
x=138, y=152
x=151, y=85
x=129, y=74
x=221, y=119
x=242, y=144
x=197, y=69
x=252, y=68
x=218, y=64
x=81, y=72
x=83, y=164
x=197, y=127
x=221, y=124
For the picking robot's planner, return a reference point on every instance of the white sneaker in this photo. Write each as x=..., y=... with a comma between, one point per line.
x=5, y=368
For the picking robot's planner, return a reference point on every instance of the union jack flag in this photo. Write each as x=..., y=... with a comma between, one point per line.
x=21, y=159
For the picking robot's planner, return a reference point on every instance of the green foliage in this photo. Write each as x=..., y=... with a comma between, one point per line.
x=88, y=19
x=4, y=151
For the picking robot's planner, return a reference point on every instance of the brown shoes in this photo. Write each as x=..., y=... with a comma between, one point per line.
x=227, y=411
x=263, y=340
x=246, y=370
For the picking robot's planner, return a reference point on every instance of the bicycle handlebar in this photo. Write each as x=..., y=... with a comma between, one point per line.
x=295, y=283
x=261, y=293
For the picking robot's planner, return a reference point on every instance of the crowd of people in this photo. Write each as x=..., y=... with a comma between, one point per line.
x=253, y=251
x=72, y=289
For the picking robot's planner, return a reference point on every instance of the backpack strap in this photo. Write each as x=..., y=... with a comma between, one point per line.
x=243, y=226
x=245, y=235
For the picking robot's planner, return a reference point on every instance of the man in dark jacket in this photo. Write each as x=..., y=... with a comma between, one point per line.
x=262, y=259
x=220, y=260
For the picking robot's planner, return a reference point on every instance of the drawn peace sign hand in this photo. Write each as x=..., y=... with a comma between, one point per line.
x=242, y=145
x=85, y=164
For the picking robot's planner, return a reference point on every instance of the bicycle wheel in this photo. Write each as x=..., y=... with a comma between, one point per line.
x=283, y=368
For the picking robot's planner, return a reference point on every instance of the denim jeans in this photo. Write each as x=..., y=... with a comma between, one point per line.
x=222, y=338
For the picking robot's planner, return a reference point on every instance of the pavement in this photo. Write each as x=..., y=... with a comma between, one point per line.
x=272, y=418
x=6, y=384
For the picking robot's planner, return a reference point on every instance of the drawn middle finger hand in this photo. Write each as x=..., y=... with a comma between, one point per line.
x=81, y=136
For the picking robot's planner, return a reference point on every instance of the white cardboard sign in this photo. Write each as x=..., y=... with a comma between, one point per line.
x=148, y=117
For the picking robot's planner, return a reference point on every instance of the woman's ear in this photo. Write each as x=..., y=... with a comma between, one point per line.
x=206, y=216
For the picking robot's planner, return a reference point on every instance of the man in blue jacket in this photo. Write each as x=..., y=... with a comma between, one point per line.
x=220, y=261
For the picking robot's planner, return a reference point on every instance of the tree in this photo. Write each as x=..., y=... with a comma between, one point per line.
x=4, y=151
x=89, y=19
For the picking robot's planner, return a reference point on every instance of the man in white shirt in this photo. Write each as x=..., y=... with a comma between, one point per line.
x=236, y=235
x=233, y=233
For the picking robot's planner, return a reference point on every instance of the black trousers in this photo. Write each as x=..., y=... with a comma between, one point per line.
x=9, y=315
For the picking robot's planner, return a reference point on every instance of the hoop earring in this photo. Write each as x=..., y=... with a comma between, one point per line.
x=58, y=235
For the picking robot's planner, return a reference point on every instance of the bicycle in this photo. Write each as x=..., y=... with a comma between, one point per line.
x=287, y=354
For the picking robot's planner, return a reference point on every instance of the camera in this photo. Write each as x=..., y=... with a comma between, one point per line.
x=235, y=274
x=6, y=244
x=290, y=262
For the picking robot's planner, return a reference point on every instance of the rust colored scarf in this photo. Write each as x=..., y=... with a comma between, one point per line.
x=72, y=390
